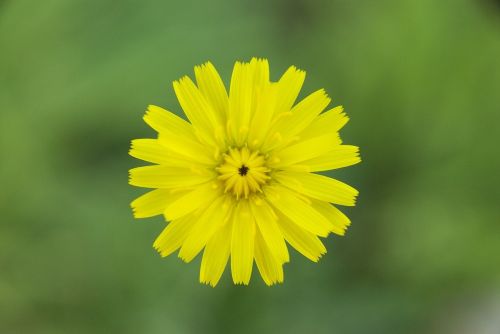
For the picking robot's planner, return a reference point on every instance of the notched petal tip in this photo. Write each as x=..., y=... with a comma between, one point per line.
x=208, y=282
x=320, y=255
x=157, y=245
x=152, y=109
x=208, y=64
x=323, y=92
x=259, y=60
x=183, y=258
x=298, y=71
x=338, y=109
x=182, y=80
x=138, y=215
x=340, y=233
x=241, y=283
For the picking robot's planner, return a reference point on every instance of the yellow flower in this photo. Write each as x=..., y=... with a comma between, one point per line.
x=239, y=179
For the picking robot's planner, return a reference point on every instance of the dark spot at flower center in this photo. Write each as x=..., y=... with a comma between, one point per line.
x=243, y=170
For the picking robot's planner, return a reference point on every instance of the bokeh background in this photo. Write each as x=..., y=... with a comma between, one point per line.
x=420, y=80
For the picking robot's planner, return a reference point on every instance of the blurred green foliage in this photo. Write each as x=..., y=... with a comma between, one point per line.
x=420, y=80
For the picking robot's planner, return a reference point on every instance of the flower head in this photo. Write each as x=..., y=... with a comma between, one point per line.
x=239, y=179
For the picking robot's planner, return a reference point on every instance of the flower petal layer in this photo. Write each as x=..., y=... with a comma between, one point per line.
x=216, y=255
x=242, y=244
x=318, y=186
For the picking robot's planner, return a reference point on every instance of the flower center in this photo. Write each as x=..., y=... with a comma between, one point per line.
x=243, y=172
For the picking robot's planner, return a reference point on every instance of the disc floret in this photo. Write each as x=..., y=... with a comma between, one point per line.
x=243, y=172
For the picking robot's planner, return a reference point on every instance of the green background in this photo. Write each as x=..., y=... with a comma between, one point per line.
x=420, y=80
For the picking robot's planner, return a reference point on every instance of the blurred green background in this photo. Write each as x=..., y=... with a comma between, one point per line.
x=420, y=80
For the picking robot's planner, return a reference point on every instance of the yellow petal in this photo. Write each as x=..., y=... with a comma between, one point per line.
x=330, y=121
x=151, y=203
x=215, y=256
x=288, y=88
x=298, y=210
x=262, y=116
x=339, y=221
x=149, y=150
x=209, y=221
x=158, y=152
x=299, y=118
x=318, y=186
x=304, y=150
x=177, y=135
x=245, y=81
x=269, y=267
x=182, y=148
x=158, y=176
x=303, y=241
x=212, y=87
x=197, y=109
x=172, y=237
x=338, y=157
x=266, y=223
x=163, y=121
x=240, y=99
x=194, y=200
x=260, y=69
x=242, y=244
